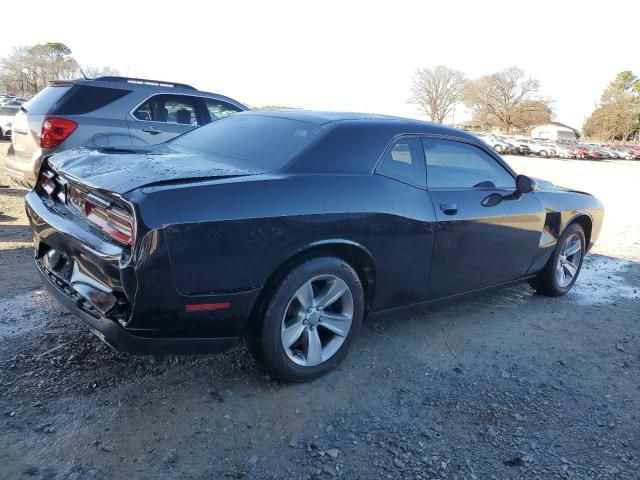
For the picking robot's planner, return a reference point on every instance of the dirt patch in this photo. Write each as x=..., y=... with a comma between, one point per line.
x=16, y=251
x=508, y=385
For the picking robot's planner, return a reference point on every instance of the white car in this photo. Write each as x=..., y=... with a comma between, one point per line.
x=6, y=119
x=538, y=148
x=564, y=151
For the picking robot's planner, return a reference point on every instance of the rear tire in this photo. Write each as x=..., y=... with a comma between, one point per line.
x=563, y=267
x=304, y=313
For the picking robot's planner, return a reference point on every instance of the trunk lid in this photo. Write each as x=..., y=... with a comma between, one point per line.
x=123, y=170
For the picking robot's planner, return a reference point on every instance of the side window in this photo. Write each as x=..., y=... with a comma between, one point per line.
x=404, y=161
x=218, y=109
x=176, y=109
x=453, y=164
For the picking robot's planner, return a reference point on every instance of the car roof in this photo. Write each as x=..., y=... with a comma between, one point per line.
x=145, y=85
x=353, y=142
x=397, y=124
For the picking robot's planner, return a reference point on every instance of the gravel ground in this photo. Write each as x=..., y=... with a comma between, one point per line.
x=508, y=385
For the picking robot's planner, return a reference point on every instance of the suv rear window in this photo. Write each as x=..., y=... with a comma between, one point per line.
x=83, y=99
x=43, y=101
x=254, y=141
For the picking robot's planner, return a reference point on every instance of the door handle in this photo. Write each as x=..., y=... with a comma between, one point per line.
x=449, y=208
x=152, y=130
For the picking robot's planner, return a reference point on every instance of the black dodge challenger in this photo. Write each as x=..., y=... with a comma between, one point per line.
x=288, y=227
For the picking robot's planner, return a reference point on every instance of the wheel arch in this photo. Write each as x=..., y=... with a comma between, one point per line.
x=355, y=254
x=585, y=221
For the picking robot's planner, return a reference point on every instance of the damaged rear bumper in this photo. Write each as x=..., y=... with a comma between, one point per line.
x=93, y=279
x=118, y=337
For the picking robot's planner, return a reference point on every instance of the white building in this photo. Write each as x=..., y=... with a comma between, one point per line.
x=554, y=131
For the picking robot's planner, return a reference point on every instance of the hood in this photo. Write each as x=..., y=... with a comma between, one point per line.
x=546, y=185
x=121, y=170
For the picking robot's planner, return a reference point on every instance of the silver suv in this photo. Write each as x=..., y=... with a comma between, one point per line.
x=106, y=112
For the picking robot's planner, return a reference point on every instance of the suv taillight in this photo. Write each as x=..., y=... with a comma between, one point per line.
x=116, y=223
x=55, y=131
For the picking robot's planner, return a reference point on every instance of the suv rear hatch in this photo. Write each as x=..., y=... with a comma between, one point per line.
x=55, y=120
x=27, y=124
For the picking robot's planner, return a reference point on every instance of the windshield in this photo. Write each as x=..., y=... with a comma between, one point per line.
x=256, y=141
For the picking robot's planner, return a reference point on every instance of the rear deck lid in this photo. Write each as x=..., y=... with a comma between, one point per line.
x=123, y=170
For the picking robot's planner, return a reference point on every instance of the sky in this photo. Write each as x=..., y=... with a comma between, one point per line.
x=345, y=55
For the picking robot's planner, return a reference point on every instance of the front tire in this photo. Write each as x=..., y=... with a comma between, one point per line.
x=311, y=320
x=562, y=269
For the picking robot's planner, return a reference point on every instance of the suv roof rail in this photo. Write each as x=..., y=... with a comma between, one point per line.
x=144, y=81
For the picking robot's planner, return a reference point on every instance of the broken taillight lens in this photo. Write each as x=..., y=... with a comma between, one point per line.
x=114, y=222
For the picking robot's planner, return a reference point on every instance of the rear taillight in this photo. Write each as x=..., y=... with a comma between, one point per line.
x=53, y=186
x=55, y=131
x=116, y=223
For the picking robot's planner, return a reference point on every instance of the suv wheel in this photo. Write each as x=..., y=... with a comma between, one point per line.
x=311, y=321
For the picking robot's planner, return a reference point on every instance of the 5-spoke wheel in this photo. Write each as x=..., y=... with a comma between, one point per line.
x=311, y=320
x=569, y=260
x=563, y=267
x=317, y=320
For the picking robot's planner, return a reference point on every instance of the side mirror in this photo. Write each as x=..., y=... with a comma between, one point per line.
x=525, y=184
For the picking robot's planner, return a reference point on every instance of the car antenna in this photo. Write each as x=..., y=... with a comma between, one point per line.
x=80, y=68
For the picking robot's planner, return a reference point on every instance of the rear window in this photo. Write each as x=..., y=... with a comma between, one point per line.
x=83, y=99
x=43, y=101
x=261, y=142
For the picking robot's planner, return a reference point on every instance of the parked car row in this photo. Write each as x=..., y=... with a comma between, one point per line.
x=10, y=100
x=602, y=151
x=511, y=145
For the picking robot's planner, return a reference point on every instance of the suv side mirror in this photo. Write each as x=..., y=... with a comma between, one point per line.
x=525, y=184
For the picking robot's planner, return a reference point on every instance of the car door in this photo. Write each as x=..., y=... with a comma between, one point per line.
x=164, y=116
x=486, y=234
x=405, y=249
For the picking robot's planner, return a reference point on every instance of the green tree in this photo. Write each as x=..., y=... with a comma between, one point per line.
x=617, y=116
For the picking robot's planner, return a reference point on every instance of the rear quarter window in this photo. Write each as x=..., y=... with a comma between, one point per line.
x=252, y=141
x=81, y=99
x=43, y=101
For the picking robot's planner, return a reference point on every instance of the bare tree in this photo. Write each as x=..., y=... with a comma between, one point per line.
x=505, y=98
x=437, y=91
x=28, y=69
x=93, y=71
